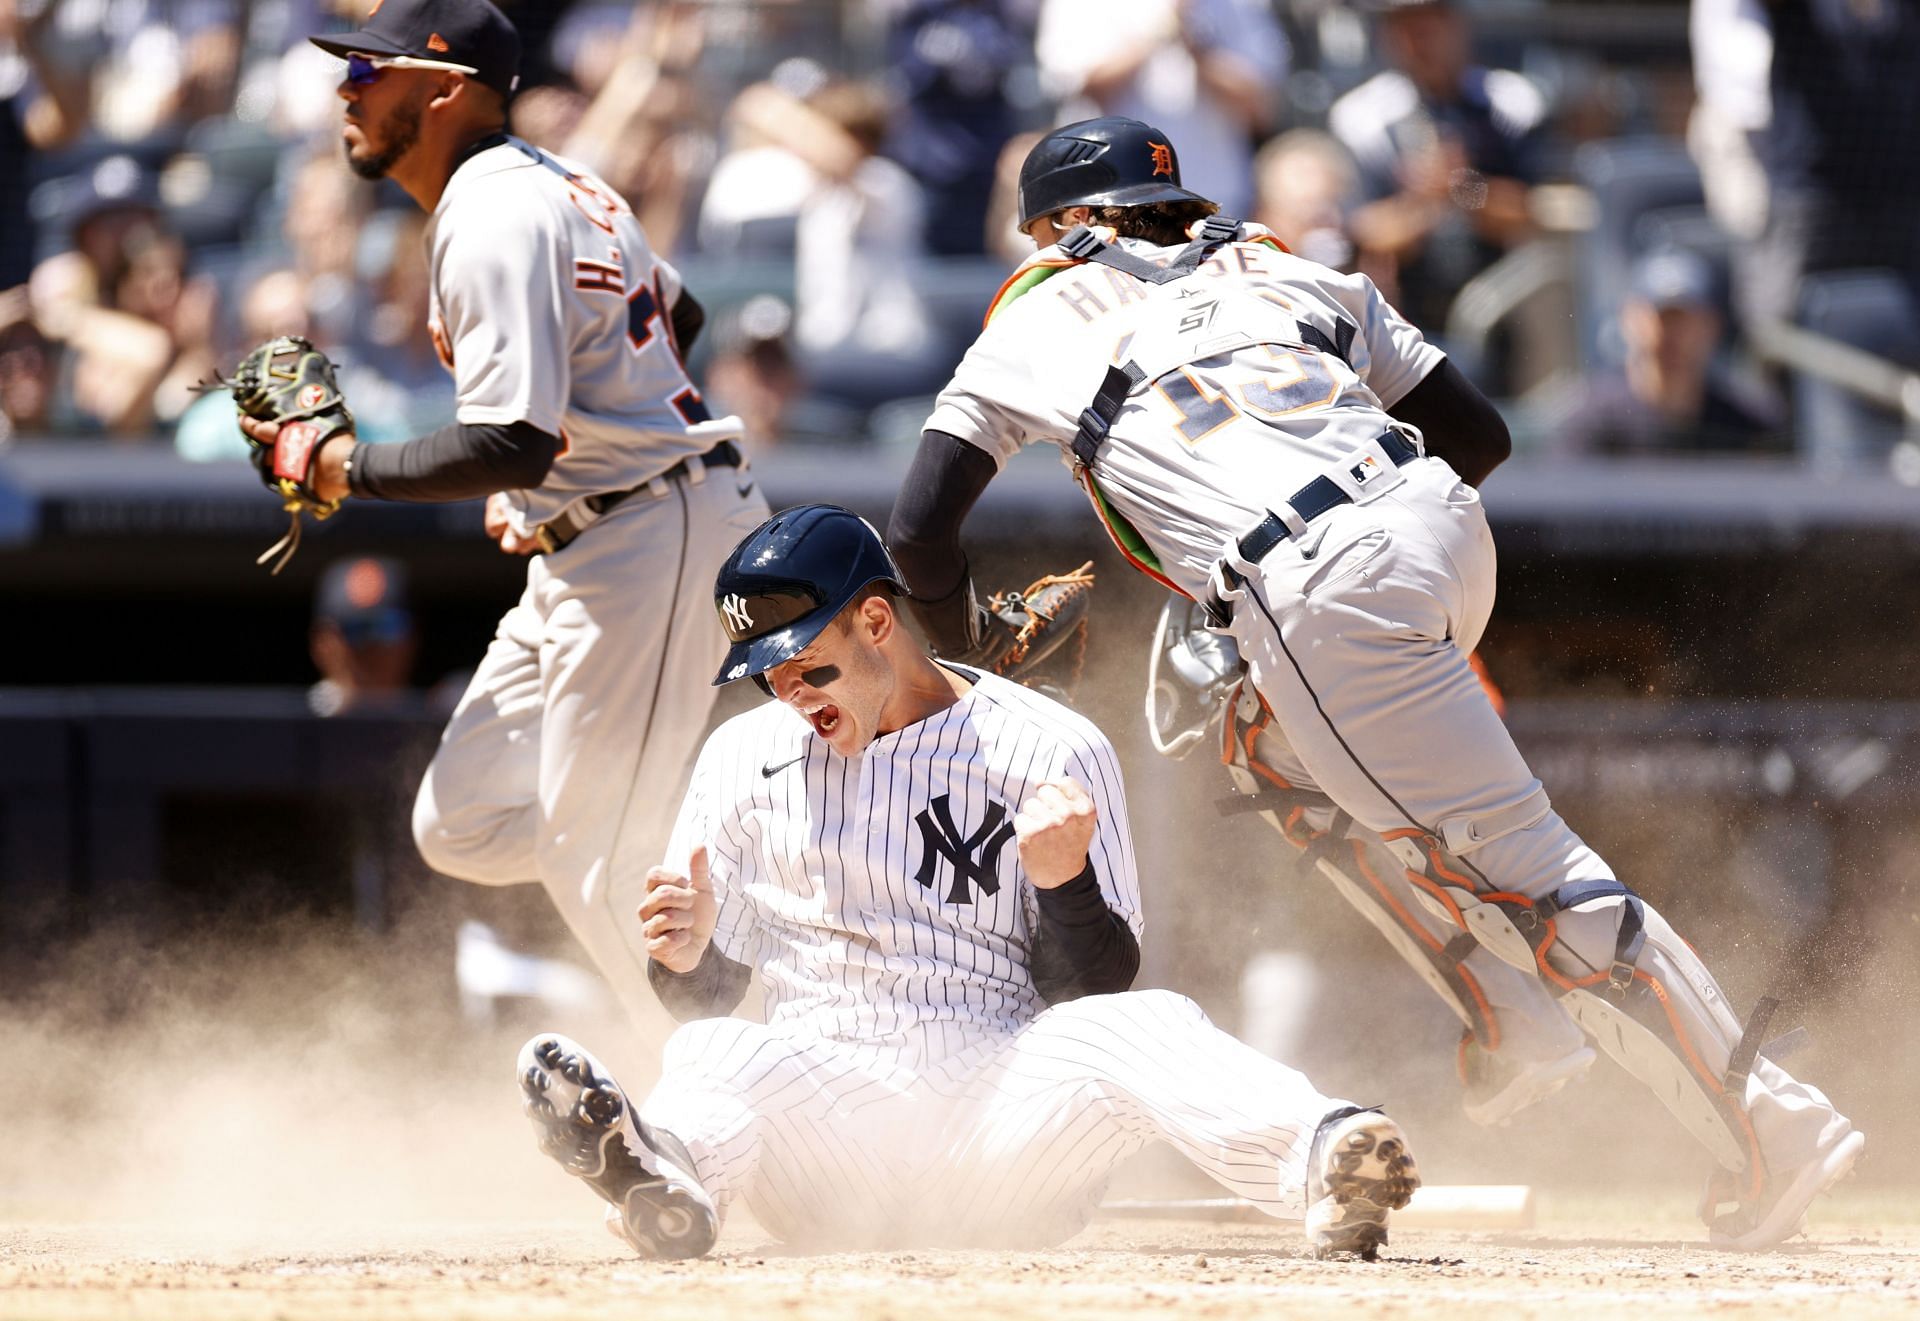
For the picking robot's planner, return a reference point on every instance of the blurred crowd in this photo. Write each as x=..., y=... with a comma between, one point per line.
x=1602, y=215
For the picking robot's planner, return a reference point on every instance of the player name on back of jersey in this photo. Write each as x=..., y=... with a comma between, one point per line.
x=605, y=374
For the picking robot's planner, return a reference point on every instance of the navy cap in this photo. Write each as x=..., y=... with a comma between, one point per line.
x=115, y=183
x=1675, y=277
x=788, y=578
x=365, y=598
x=469, y=32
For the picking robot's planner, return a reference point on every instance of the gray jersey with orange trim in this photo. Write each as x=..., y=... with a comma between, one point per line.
x=549, y=306
x=567, y=752
x=1262, y=369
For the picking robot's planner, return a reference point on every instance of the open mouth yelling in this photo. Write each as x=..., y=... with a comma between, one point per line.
x=823, y=716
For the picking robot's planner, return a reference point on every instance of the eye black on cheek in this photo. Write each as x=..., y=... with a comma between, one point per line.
x=820, y=676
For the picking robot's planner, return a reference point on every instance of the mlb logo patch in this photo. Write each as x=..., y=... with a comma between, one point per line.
x=1364, y=471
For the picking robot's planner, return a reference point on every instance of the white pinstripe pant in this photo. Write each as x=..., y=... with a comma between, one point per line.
x=1009, y=1142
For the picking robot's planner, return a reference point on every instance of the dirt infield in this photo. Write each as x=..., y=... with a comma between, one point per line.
x=295, y=1130
x=569, y=1269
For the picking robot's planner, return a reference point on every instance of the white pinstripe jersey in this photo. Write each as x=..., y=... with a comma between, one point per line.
x=1262, y=370
x=834, y=883
x=549, y=306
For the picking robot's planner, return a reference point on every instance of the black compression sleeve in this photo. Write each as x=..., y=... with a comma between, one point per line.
x=1083, y=947
x=687, y=317
x=1460, y=424
x=712, y=990
x=947, y=476
x=457, y=462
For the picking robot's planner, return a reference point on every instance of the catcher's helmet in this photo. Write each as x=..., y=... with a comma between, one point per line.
x=788, y=578
x=1110, y=161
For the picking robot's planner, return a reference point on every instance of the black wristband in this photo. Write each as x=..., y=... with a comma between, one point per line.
x=1077, y=902
x=1081, y=947
x=711, y=990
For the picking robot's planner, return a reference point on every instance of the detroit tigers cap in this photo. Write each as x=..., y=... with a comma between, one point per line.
x=788, y=578
x=1109, y=161
x=470, y=32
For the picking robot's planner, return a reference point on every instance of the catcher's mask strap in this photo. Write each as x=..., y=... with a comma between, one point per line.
x=1083, y=243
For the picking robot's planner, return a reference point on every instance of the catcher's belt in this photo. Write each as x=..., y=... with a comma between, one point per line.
x=1290, y=521
x=577, y=517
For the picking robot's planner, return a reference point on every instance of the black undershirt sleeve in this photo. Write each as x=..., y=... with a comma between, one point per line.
x=1460, y=424
x=458, y=462
x=687, y=318
x=712, y=990
x=1082, y=947
x=941, y=487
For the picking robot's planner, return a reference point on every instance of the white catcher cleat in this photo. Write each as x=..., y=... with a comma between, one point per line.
x=1358, y=1170
x=1497, y=1091
x=584, y=1122
x=1782, y=1210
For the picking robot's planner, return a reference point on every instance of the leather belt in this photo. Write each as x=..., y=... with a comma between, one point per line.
x=556, y=532
x=1307, y=504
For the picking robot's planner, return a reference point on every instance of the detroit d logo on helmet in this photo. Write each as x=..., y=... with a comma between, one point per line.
x=735, y=609
x=1162, y=158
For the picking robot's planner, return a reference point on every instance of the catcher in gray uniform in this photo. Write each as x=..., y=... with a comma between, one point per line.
x=1272, y=440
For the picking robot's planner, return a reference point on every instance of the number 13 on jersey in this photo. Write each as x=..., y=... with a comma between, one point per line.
x=1210, y=393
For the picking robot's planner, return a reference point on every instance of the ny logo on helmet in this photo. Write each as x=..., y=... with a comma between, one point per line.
x=735, y=610
x=1162, y=158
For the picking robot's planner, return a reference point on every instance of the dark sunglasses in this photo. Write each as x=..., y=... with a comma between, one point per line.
x=363, y=69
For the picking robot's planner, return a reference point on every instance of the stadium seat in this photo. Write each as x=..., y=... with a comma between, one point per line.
x=1640, y=186
x=1869, y=309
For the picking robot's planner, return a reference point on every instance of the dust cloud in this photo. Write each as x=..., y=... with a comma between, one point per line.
x=290, y=1078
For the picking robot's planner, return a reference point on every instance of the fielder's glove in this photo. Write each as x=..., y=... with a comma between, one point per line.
x=289, y=381
x=1020, y=632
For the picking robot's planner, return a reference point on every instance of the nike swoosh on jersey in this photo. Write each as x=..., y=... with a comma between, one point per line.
x=770, y=769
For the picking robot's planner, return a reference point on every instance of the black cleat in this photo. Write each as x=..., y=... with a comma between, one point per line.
x=1358, y=1170
x=584, y=1122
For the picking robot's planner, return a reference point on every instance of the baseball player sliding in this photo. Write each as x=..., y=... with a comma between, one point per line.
x=1269, y=437
x=930, y=868
x=565, y=334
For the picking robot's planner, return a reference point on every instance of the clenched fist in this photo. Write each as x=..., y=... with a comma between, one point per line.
x=678, y=914
x=1054, y=829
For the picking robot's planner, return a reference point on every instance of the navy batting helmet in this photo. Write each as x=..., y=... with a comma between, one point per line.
x=1110, y=161
x=789, y=578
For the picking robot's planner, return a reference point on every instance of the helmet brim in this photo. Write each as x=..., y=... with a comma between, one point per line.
x=1134, y=194
x=758, y=655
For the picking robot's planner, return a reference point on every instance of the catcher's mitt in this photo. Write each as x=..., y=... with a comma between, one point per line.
x=289, y=381
x=1020, y=632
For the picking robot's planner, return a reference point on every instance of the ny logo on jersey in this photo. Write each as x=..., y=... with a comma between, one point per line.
x=735, y=609
x=974, y=859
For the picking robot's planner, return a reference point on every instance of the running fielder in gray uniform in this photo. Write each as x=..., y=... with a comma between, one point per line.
x=564, y=332
x=1268, y=437
x=929, y=866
